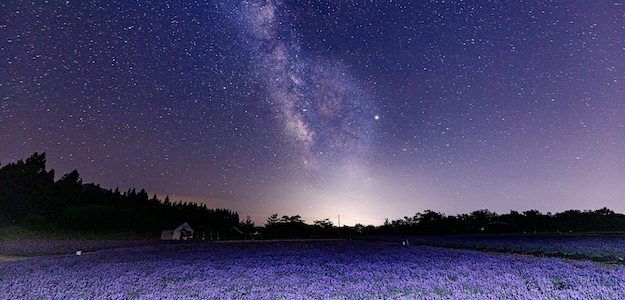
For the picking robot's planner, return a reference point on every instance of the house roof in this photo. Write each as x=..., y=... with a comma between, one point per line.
x=184, y=225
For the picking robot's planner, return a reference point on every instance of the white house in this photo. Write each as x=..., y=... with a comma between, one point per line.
x=183, y=232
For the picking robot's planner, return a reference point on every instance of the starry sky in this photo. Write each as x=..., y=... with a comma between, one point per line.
x=364, y=109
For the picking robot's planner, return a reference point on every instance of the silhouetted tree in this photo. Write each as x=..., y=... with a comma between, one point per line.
x=325, y=223
x=272, y=220
x=68, y=190
x=28, y=190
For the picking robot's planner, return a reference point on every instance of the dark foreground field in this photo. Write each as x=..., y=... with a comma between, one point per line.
x=306, y=270
x=18, y=242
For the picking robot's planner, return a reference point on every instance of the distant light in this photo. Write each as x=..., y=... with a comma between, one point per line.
x=376, y=117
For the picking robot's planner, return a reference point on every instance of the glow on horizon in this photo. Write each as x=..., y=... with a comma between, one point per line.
x=310, y=108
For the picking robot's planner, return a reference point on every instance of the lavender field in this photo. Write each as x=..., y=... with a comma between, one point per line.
x=306, y=270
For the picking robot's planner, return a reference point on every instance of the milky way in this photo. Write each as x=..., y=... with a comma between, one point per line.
x=367, y=109
x=319, y=104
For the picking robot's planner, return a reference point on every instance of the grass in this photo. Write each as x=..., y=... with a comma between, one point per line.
x=48, y=232
x=19, y=242
x=9, y=258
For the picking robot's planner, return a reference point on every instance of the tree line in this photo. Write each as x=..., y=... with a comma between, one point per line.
x=29, y=194
x=477, y=222
x=295, y=227
x=485, y=221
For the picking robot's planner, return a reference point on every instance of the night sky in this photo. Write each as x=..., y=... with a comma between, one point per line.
x=367, y=109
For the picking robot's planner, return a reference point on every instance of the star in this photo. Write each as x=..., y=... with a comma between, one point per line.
x=228, y=99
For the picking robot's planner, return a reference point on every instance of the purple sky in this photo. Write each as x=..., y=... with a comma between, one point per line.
x=367, y=109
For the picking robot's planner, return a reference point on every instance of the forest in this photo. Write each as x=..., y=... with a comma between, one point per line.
x=30, y=195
